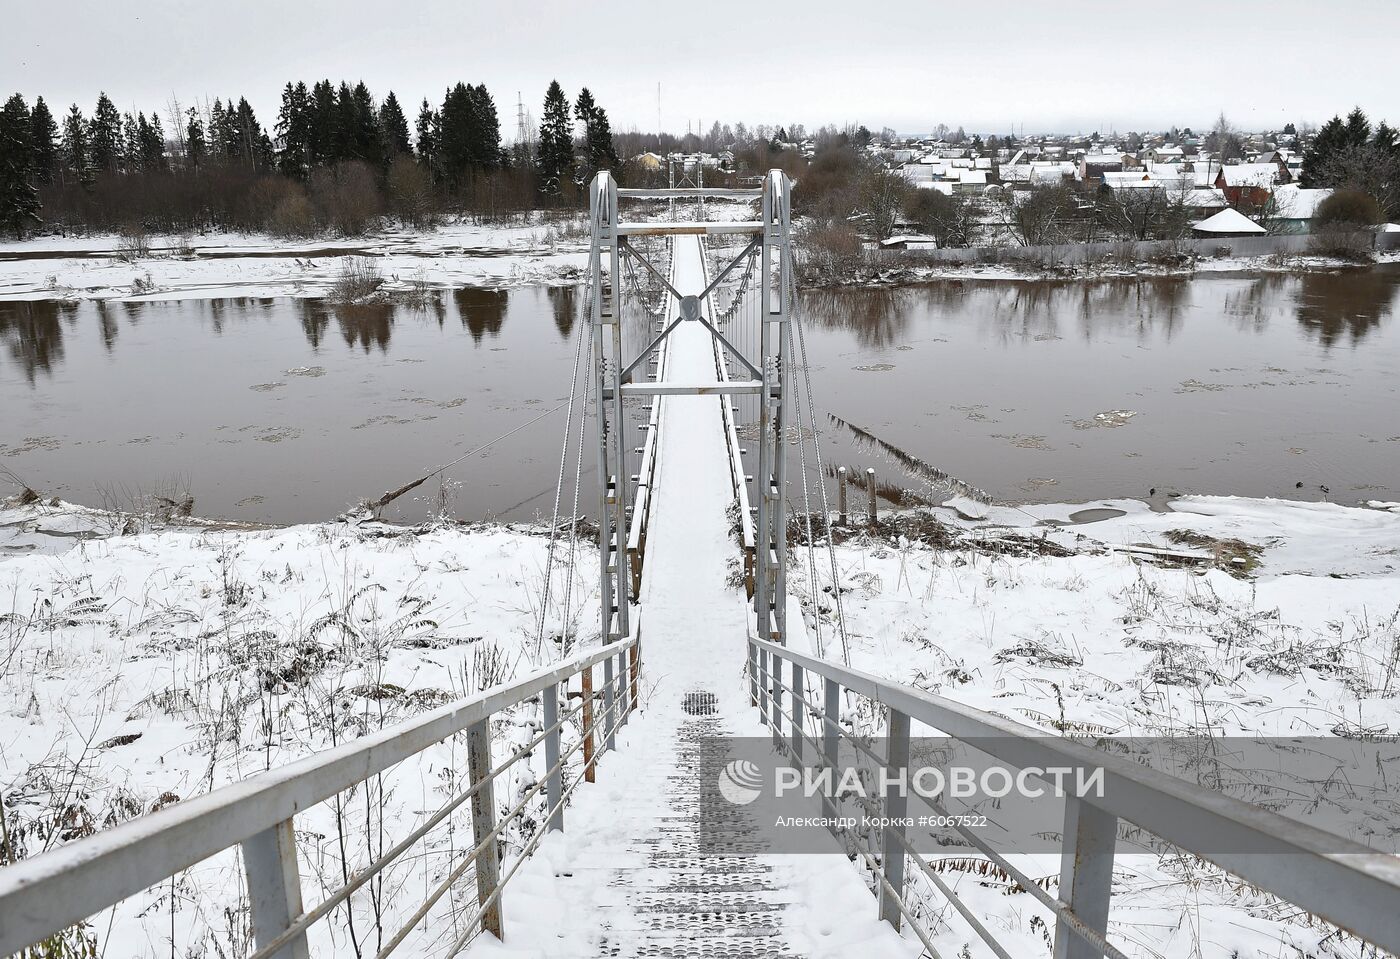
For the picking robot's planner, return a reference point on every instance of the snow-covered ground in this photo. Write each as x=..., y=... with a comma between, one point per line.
x=204, y=266
x=913, y=272
x=1224, y=616
x=157, y=663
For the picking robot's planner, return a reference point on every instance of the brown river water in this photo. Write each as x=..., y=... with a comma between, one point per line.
x=287, y=410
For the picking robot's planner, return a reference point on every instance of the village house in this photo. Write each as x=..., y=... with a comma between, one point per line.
x=1095, y=165
x=1227, y=223
x=1250, y=184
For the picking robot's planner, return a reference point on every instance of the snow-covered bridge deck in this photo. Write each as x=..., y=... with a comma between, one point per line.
x=654, y=863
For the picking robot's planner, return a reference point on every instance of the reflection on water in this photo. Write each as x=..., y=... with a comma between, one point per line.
x=1326, y=305
x=285, y=409
x=1353, y=304
x=292, y=409
x=1282, y=384
x=34, y=334
x=481, y=311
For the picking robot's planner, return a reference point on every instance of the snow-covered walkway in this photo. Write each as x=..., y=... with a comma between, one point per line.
x=652, y=862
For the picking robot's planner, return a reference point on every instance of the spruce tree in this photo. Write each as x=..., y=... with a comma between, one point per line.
x=427, y=130
x=599, y=152
x=152, y=136
x=322, y=123
x=131, y=144
x=77, y=158
x=393, y=127
x=343, y=124
x=366, y=135
x=486, y=128
x=294, y=131
x=105, y=135
x=44, y=142
x=250, y=144
x=1358, y=128
x=555, y=156
x=453, y=149
x=196, y=147
x=1325, y=145
x=19, y=199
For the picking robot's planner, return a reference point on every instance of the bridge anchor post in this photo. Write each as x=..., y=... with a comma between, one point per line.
x=488, y=860
x=1086, y=875
x=274, y=887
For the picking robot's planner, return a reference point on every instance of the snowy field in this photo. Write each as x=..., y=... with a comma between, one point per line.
x=145, y=664
x=206, y=266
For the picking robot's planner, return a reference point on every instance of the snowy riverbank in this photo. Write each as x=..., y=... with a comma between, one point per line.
x=907, y=269
x=207, y=266
x=147, y=666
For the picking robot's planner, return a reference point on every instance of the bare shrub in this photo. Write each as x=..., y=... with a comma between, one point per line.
x=1348, y=207
x=1344, y=241
x=134, y=244
x=411, y=195
x=358, y=279
x=832, y=248
x=346, y=197
x=293, y=216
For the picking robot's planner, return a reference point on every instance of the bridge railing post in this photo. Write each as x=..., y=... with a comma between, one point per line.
x=762, y=677
x=799, y=712
x=274, y=887
x=635, y=671
x=1086, y=875
x=896, y=807
x=488, y=860
x=623, y=699
x=776, y=674
x=609, y=718
x=586, y=679
x=831, y=708
x=554, y=774
x=753, y=674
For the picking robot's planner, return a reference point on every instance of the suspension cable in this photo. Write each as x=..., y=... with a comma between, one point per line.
x=657, y=313
x=563, y=460
x=573, y=514
x=796, y=315
x=807, y=510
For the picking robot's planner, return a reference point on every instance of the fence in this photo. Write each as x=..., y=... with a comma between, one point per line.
x=42, y=896
x=1341, y=882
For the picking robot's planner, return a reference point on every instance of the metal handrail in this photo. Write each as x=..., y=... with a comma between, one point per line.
x=40, y=897
x=646, y=472
x=737, y=475
x=1340, y=881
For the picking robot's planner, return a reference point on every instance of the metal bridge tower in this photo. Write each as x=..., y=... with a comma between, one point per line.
x=613, y=371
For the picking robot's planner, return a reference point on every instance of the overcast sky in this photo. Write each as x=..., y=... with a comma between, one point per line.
x=1048, y=65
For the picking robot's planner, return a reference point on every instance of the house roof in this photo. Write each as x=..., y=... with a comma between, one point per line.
x=910, y=238
x=1206, y=198
x=1295, y=203
x=1228, y=221
x=1250, y=174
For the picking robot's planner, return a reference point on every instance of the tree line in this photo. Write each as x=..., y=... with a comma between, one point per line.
x=336, y=158
x=1353, y=155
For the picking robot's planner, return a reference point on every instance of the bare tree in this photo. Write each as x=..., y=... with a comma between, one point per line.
x=1040, y=215
x=1225, y=141
x=882, y=194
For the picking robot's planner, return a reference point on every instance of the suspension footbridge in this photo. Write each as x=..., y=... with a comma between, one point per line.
x=697, y=642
